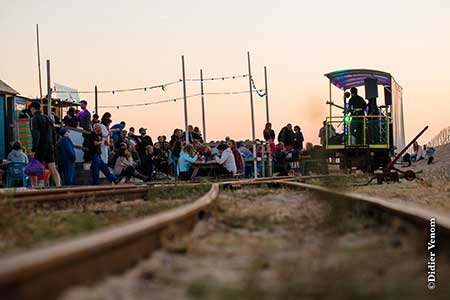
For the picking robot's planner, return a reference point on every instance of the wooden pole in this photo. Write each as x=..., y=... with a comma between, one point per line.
x=267, y=94
x=203, y=105
x=96, y=100
x=185, y=101
x=49, y=90
x=251, y=95
x=39, y=63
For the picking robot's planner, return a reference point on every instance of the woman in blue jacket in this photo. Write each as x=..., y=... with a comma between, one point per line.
x=68, y=157
x=187, y=158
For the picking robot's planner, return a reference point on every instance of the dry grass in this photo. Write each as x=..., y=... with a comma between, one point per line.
x=21, y=229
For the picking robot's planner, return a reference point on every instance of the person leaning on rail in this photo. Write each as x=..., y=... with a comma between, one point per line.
x=357, y=107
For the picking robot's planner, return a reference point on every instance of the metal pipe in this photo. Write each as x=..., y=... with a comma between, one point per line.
x=267, y=94
x=49, y=90
x=185, y=101
x=203, y=105
x=39, y=62
x=251, y=95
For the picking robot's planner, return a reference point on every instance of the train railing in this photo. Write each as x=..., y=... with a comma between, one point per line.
x=357, y=131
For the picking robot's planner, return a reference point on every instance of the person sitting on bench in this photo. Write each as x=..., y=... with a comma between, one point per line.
x=226, y=159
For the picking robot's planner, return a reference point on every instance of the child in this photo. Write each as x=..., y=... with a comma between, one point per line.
x=68, y=157
x=17, y=155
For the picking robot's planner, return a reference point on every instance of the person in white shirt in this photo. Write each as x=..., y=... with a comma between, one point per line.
x=418, y=154
x=226, y=160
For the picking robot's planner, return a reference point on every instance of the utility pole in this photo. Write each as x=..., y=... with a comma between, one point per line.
x=255, y=166
x=251, y=95
x=267, y=94
x=96, y=100
x=49, y=90
x=185, y=101
x=203, y=105
x=39, y=62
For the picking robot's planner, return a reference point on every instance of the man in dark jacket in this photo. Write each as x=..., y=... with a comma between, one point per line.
x=286, y=136
x=84, y=120
x=357, y=108
x=143, y=141
x=44, y=139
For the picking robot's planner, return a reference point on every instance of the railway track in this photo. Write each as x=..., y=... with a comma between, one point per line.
x=45, y=273
x=60, y=196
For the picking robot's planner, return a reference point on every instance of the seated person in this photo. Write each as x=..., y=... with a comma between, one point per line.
x=226, y=159
x=125, y=166
x=418, y=153
x=17, y=155
x=281, y=166
x=148, y=164
x=430, y=154
x=161, y=159
x=187, y=158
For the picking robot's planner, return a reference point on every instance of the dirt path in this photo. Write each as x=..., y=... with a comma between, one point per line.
x=280, y=244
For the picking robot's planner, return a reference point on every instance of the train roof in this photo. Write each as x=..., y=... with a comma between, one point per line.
x=345, y=79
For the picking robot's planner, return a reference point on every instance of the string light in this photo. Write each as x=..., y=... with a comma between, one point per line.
x=146, y=88
x=260, y=94
x=180, y=98
x=161, y=86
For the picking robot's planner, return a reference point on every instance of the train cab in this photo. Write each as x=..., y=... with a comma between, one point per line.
x=364, y=137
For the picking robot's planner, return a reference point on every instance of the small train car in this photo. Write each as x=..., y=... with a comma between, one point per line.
x=366, y=140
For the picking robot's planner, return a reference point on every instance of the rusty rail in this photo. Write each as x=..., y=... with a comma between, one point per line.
x=45, y=273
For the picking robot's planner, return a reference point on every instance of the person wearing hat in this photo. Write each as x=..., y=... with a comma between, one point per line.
x=143, y=141
x=68, y=157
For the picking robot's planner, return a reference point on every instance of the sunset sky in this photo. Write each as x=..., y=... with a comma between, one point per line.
x=125, y=44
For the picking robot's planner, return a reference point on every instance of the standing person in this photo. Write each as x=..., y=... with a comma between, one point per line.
x=143, y=141
x=44, y=139
x=286, y=136
x=105, y=116
x=68, y=157
x=94, y=143
x=132, y=135
x=106, y=135
x=237, y=156
x=84, y=120
x=197, y=135
x=226, y=160
x=95, y=119
x=190, y=134
x=298, y=139
x=268, y=132
x=357, y=107
x=70, y=120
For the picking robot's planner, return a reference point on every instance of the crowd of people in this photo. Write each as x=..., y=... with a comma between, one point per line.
x=127, y=155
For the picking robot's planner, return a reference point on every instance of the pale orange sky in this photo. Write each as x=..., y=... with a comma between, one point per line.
x=122, y=44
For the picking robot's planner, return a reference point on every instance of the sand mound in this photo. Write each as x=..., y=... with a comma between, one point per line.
x=439, y=167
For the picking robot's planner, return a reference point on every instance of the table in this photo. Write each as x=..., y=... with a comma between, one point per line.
x=204, y=165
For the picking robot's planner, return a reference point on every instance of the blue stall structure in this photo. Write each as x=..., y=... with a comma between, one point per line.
x=7, y=99
x=15, y=126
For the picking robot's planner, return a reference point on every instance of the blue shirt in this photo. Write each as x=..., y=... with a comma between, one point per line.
x=185, y=161
x=116, y=134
